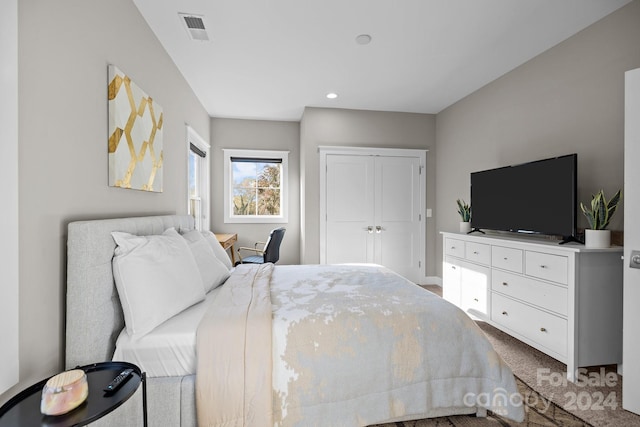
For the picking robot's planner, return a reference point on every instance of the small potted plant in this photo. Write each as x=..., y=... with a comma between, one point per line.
x=465, y=216
x=599, y=215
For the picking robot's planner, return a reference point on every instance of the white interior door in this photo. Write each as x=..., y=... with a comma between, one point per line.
x=350, y=214
x=371, y=209
x=631, y=343
x=397, y=215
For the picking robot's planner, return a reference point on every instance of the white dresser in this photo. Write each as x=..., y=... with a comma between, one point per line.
x=564, y=300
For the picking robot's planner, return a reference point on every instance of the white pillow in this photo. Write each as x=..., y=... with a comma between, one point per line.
x=212, y=270
x=220, y=253
x=156, y=277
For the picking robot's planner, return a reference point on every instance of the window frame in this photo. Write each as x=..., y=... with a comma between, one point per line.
x=229, y=217
x=203, y=179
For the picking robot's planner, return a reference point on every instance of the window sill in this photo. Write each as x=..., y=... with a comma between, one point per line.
x=257, y=220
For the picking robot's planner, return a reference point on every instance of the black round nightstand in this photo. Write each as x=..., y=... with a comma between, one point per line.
x=24, y=408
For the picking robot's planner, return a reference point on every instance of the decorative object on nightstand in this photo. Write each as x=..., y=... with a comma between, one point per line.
x=465, y=215
x=64, y=392
x=24, y=409
x=599, y=215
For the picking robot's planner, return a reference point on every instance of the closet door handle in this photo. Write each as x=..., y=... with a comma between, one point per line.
x=369, y=229
x=378, y=229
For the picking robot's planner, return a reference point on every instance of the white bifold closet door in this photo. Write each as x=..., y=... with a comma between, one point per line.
x=373, y=212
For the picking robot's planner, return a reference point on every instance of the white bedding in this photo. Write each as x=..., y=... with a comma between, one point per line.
x=170, y=349
x=360, y=345
x=353, y=346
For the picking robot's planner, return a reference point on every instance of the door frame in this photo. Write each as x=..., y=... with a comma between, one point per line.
x=324, y=151
x=631, y=276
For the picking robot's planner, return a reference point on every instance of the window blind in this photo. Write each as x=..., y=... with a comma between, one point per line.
x=254, y=160
x=196, y=150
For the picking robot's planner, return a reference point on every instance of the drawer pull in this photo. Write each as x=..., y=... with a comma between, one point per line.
x=453, y=247
x=504, y=313
x=475, y=252
x=543, y=266
x=475, y=299
x=505, y=284
x=505, y=258
x=543, y=329
x=453, y=267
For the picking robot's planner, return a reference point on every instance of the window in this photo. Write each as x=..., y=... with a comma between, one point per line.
x=256, y=184
x=198, y=205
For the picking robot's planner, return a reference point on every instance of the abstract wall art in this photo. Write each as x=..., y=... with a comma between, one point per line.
x=135, y=135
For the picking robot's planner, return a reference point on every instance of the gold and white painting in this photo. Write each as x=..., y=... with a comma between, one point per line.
x=135, y=135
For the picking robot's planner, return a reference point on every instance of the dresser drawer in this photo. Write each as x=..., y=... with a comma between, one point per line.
x=451, y=273
x=545, y=295
x=543, y=328
x=454, y=247
x=547, y=266
x=478, y=252
x=506, y=258
x=475, y=300
x=475, y=288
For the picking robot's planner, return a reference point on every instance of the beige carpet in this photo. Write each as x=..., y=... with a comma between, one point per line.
x=542, y=414
x=597, y=401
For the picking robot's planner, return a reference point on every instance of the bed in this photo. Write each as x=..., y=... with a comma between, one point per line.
x=321, y=346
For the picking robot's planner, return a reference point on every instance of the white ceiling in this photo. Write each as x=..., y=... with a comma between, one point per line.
x=268, y=59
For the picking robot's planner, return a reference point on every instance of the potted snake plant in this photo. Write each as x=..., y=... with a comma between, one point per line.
x=464, y=210
x=598, y=216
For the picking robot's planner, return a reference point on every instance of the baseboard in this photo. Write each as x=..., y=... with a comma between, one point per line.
x=432, y=280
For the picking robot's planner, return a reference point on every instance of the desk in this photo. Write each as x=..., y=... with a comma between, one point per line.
x=227, y=241
x=24, y=408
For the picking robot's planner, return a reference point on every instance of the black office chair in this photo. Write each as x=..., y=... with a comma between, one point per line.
x=270, y=251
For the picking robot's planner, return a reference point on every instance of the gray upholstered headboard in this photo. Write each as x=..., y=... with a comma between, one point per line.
x=94, y=315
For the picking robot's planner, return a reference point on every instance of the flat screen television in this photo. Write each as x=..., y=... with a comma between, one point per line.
x=536, y=197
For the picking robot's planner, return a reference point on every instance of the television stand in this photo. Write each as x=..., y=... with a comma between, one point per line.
x=476, y=229
x=552, y=297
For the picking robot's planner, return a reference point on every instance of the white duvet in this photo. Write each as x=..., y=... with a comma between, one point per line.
x=360, y=345
x=351, y=346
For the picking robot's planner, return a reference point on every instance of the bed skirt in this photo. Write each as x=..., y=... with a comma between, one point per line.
x=170, y=402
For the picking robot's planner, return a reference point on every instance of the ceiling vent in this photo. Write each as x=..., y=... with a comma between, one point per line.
x=195, y=26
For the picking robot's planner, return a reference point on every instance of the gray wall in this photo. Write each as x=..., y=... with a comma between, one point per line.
x=256, y=135
x=9, y=285
x=568, y=99
x=64, y=49
x=357, y=128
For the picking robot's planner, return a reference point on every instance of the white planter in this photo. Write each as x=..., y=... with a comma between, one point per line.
x=597, y=238
x=465, y=227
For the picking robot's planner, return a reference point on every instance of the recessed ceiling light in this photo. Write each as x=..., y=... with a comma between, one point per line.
x=363, y=39
x=332, y=95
